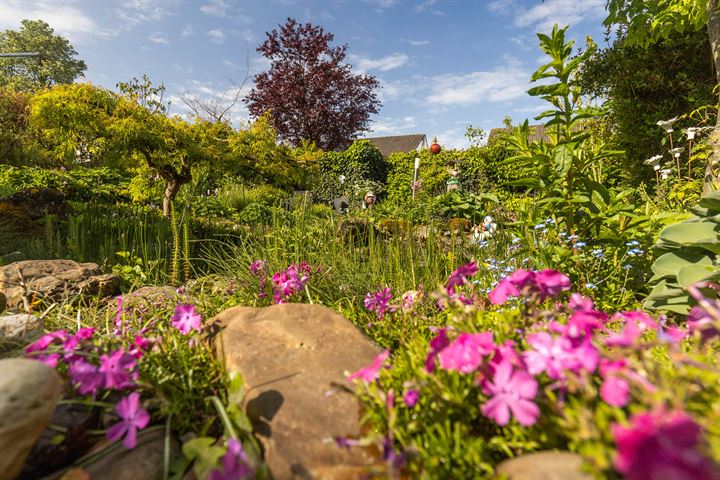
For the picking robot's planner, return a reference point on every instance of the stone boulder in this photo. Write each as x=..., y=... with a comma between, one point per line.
x=293, y=358
x=29, y=391
x=544, y=466
x=37, y=202
x=20, y=328
x=54, y=280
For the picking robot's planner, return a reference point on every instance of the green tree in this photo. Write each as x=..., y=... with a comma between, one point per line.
x=647, y=21
x=57, y=62
x=644, y=85
x=72, y=122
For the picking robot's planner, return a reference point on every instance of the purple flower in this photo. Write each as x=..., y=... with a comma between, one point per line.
x=411, y=397
x=409, y=299
x=185, y=319
x=460, y=275
x=372, y=371
x=86, y=377
x=437, y=344
x=662, y=445
x=46, y=340
x=235, y=464
x=290, y=282
x=132, y=418
x=552, y=355
x=257, y=266
x=542, y=284
x=615, y=391
x=117, y=369
x=700, y=320
x=511, y=392
x=466, y=352
x=379, y=302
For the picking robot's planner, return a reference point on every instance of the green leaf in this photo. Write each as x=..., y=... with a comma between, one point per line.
x=705, y=234
x=692, y=274
x=669, y=264
x=205, y=454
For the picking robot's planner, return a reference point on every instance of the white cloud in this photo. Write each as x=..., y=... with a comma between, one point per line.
x=383, y=4
x=504, y=83
x=542, y=16
x=216, y=8
x=418, y=43
x=134, y=12
x=65, y=19
x=210, y=92
x=452, y=138
x=388, y=62
x=181, y=68
x=427, y=6
x=394, y=126
x=157, y=37
x=188, y=31
x=216, y=36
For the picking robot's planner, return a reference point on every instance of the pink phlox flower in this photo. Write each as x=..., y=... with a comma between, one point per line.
x=119, y=314
x=118, y=369
x=662, y=445
x=551, y=283
x=460, y=276
x=437, y=344
x=615, y=389
x=257, y=266
x=186, y=319
x=585, y=322
x=290, y=282
x=46, y=340
x=72, y=342
x=86, y=376
x=408, y=300
x=634, y=324
x=140, y=346
x=511, y=392
x=372, y=371
x=702, y=321
x=552, y=355
x=132, y=418
x=578, y=302
x=378, y=302
x=235, y=464
x=542, y=284
x=507, y=353
x=411, y=397
x=466, y=352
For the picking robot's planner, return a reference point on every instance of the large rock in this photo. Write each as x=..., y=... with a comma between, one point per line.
x=53, y=280
x=293, y=357
x=20, y=328
x=29, y=391
x=544, y=466
x=112, y=461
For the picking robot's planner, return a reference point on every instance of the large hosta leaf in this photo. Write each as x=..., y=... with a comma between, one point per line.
x=702, y=234
x=669, y=264
x=692, y=274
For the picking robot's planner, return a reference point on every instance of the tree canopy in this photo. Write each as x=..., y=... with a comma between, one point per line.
x=310, y=93
x=57, y=62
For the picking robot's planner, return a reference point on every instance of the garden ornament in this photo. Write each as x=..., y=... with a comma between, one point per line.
x=369, y=200
x=484, y=231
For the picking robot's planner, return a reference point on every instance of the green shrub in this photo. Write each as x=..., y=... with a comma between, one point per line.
x=255, y=214
x=362, y=166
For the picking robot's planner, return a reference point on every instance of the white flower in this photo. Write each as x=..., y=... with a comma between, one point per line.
x=667, y=124
x=691, y=132
x=654, y=161
x=677, y=151
x=664, y=173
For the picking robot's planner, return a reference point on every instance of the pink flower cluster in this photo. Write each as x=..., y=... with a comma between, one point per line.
x=92, y=369
x=534, y=285
x=379, y=302
x=285, y=283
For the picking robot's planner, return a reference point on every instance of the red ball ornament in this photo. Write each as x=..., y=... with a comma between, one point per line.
x=435, y=147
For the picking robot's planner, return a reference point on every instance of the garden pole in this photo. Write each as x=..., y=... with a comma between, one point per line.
x=414, y=185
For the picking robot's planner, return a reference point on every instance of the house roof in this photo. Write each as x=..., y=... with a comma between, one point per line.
x=537, y=133
x=397, y=143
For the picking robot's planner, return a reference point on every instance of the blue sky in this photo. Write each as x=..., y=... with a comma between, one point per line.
x=442, y=64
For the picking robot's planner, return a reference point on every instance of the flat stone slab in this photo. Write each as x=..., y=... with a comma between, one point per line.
x=544, y=466
x=292, y=358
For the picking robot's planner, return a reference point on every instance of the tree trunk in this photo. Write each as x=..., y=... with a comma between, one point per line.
x=171, y=189
x=713, y=27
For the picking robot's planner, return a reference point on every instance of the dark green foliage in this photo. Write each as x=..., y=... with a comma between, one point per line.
x=362, y=166
x=670, y=78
